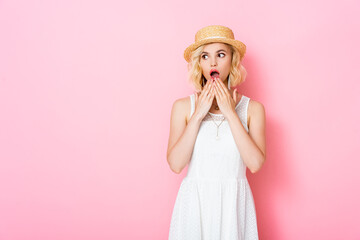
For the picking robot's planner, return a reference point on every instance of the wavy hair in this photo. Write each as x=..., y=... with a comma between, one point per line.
x=237, y=71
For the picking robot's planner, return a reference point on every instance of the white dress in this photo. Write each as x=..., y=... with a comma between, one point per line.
x=215, y=201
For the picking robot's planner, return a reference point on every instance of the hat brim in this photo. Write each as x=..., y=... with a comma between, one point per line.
x=241, y=47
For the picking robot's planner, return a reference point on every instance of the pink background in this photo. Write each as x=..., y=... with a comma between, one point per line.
x=86, y=89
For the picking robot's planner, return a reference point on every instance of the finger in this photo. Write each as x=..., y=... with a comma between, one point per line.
x=214, y=92
x=221, y=86
x=203, y=88
x=216, y=88
x=210, y=89
x=211, y=85
x=212, y=95
x=207, y=85
x=204, y=93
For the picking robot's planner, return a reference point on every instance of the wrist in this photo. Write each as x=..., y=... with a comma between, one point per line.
x=196, y=118
x=232, y=115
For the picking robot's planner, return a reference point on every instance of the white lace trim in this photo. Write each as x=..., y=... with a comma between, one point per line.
x=241, y=109
x=219, y=117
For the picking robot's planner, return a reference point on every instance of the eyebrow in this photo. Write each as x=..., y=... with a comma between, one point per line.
x=216, y=51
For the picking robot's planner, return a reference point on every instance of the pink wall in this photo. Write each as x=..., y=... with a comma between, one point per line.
x=86, y=89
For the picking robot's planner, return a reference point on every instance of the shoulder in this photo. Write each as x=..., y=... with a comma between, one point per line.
x=255, y=109
x=255, y=105
x=182, y=107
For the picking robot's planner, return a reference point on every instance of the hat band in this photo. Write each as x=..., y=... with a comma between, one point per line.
x=213, y=37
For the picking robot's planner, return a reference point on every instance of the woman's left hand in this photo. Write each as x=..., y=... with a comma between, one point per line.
x=224, y=100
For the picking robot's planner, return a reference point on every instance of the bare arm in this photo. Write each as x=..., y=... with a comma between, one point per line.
x=182, y=136
x=251, y=145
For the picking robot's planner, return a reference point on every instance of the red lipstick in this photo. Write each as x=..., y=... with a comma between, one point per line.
x=214, y=73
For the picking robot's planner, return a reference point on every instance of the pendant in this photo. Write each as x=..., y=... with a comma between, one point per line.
x=217, y=127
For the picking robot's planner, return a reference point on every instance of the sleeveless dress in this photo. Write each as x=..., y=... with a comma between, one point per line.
x=215, y=201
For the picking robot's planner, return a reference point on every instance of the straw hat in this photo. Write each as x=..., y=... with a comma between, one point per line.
x=215, y=33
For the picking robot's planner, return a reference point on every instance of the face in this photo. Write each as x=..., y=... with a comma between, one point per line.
x=216, y=56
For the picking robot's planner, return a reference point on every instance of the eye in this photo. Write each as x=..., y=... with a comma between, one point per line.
x=203, y=56
x=222, y=53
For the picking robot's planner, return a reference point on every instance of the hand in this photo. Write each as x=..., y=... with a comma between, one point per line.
x=204, y=101
x=224, y=100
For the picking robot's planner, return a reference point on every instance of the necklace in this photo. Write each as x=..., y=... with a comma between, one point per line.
x=217, y=126
x=216, y=106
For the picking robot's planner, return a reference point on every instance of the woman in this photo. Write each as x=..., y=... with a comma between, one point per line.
x=219, y=133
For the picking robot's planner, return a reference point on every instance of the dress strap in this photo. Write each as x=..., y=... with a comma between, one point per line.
x=244, y=111
x=192, y=103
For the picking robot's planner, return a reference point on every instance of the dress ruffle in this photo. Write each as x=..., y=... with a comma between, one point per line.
x=207, y=209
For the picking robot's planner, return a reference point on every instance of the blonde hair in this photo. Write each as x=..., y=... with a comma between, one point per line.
x=237, y=71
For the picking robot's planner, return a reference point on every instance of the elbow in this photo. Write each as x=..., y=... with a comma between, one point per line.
x=259, y=165
x=254, y=170
x=173, y=168
x=177, y=171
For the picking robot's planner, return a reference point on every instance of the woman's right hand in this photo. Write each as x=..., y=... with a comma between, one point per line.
x=204, y=101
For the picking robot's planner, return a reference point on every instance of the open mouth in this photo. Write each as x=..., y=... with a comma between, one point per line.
x=214, y=73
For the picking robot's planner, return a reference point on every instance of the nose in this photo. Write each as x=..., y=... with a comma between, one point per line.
x=213, y=62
